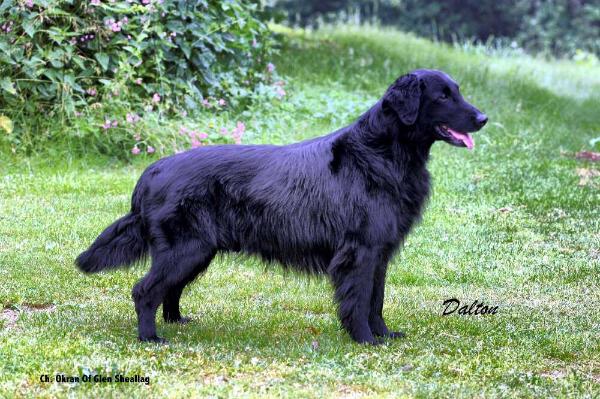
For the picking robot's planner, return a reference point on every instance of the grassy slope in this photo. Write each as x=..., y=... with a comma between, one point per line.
x=254, y=330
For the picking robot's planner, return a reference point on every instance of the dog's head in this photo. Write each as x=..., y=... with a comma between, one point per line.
x=431, y=101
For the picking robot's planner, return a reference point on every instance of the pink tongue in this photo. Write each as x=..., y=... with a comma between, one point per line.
x=464, y=137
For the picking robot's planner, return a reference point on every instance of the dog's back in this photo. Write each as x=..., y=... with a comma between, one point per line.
x=251, y=199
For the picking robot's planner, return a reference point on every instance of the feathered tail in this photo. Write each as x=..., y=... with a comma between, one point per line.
x=120, y=244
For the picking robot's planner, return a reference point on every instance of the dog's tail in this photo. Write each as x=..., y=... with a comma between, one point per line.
x=120, y=244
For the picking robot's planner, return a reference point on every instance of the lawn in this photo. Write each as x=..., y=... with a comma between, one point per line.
x=514, y=223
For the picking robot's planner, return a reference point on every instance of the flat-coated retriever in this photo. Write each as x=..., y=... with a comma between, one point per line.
x=338, y=205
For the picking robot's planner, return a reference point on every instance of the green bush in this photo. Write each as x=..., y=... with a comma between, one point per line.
x=101, y=59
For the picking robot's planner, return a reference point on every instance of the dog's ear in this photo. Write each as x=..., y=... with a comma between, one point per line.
x=404, y=97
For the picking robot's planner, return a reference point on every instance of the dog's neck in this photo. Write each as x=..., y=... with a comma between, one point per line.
x=383, y=132
x=381, y=147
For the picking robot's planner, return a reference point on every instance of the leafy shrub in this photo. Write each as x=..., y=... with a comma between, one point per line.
x=102, y=59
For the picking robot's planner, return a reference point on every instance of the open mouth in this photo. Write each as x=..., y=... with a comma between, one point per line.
x=453, y=137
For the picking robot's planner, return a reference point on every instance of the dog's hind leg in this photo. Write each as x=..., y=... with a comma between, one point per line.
x=171, y=312
x=352, y=271
x=171, y=267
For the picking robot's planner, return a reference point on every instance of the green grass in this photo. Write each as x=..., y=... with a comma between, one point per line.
x=507, y=224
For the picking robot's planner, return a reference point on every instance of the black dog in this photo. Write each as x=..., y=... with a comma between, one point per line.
x=338, y=205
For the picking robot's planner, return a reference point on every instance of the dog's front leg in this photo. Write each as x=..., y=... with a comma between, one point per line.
x=352, y=271
x=376, y=322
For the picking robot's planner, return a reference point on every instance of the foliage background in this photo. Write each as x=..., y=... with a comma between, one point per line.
x=552, y=27
x=128, y=77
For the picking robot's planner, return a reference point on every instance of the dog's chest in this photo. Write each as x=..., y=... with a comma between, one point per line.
x=400, y=211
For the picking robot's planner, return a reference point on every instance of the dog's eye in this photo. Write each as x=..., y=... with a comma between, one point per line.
x=443, y=97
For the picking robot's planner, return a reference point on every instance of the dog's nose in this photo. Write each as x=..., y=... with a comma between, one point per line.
x=482, y=120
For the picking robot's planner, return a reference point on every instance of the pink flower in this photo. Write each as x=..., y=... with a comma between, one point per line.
x=196, y=143
x=7, y=27
x=254, y=43
x=205, y=103
x=29, y=3
x=91, y=91
x=238, y=132
x=106, y=125
x=202, y=135
x=280, y=92
x=150, y=149
x=222, y=102
x=224, y=131
x=270, y=68
x=138, y=81
x=137, y=137
x=132, y=118
x=135, y=150
x=95, y=2
x=183, y=130
x=184, y=113
x=156, y=98
x=115, y=123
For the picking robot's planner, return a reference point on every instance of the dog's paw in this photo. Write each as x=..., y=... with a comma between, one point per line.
x=181, y=320
x=155, y=339
x=395, y=334
x=389, y=334
x=367, y=340
x=374, y=342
